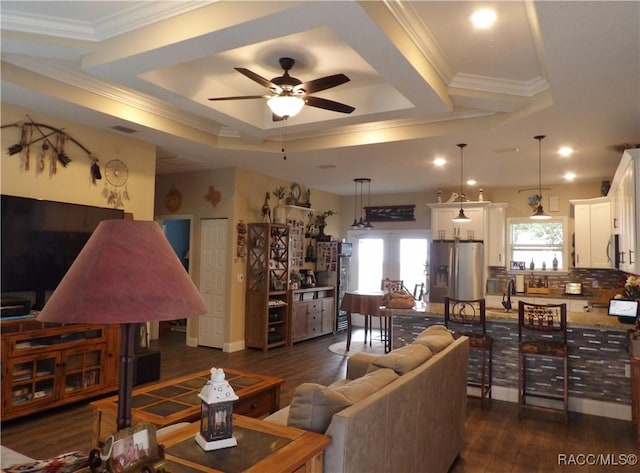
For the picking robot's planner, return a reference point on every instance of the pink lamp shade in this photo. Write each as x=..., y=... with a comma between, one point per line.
x=126, y=272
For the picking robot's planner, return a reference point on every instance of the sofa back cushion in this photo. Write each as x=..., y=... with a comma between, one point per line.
x=403, y=359
x=313, y=405
x=435, y=337
x=359, y=388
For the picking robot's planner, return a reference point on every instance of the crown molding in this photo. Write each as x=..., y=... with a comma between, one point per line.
x=137, y=15
x=502, y=86
x=69, y=74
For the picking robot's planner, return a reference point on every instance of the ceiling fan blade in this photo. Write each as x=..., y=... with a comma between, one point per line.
x=241, y=97
x=323, y=83
x=328, y=104
x=276, y=118
x=256, y=77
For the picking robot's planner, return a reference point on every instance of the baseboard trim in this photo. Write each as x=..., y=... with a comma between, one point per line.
x=233, y=346
x=584, y=406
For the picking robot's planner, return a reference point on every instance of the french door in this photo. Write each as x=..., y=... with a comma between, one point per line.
x=393, y=254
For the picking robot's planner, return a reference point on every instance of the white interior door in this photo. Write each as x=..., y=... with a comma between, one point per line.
x=213, y=286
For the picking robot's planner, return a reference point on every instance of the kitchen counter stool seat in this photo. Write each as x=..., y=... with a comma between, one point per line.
x=468, y=318
x=542, y=333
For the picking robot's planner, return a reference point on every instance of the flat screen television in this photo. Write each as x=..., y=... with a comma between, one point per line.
x=40, y=241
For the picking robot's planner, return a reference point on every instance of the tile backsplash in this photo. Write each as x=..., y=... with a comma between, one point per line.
x=597, y=284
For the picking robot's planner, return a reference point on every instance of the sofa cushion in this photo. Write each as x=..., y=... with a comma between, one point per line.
x=359, y=388
x=313, y=406
x=435, y=337
x=403, y=359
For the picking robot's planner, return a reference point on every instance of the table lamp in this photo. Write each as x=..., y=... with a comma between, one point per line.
x=127, y=273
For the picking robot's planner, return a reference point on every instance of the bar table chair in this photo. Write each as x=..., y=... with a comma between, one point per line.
x=542, y=336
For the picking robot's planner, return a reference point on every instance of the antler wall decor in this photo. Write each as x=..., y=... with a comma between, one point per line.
x=53, y=145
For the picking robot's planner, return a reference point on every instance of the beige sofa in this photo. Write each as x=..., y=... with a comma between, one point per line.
x=414, y=423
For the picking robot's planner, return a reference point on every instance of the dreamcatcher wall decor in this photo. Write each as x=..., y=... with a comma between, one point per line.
x=115, y=185
x=41, y=145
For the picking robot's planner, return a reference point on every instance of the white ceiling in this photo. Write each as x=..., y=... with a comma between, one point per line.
x=422, y=80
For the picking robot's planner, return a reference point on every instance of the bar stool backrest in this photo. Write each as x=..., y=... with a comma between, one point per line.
x=469, y=313
x=542, y=318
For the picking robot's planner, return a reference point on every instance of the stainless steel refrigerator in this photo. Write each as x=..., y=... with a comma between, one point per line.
x=457, y=270
x=332, y=269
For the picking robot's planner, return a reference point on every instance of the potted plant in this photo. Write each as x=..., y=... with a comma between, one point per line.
x=321, y=222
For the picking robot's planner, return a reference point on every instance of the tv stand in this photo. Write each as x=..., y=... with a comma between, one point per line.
x=46, y=365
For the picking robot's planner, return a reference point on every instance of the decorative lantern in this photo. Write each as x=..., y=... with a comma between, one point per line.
x=216, y=414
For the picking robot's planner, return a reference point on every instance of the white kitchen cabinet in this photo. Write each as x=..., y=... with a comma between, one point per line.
x=592, y=229
x=625, y=191
x=497, y=231
x=444, y=228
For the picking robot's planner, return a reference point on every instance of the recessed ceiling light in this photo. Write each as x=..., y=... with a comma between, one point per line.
x=569, y=176
x=439, y=162
x=471, y=182
x=565, y=151
x=483, y=18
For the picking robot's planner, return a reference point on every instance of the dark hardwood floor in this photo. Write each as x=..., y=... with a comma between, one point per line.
x=496, y=439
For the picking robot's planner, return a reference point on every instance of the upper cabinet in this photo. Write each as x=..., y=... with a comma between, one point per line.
x=625, y=193
x=444, y=228
x=593, y=224
x=497, y=235
x=487, y=222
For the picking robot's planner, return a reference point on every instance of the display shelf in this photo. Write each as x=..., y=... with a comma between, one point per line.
x=267, y=296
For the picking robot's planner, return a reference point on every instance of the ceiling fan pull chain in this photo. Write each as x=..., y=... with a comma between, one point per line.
x=284, y=138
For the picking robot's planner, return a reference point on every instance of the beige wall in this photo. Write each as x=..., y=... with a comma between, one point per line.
x=73, y=184
x=242, y=196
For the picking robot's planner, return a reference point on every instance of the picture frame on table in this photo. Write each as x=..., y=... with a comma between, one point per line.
x=133, y=450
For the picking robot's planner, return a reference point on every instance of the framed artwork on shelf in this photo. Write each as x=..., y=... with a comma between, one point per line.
x=296, y=243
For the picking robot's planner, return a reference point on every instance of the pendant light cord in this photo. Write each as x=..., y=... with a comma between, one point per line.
x=461, y=146
x=539, y=138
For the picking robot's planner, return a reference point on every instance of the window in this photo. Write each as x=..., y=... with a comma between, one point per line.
x=540, y=242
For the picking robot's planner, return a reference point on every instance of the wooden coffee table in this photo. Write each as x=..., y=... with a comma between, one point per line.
x=262, y=447
x=176, y=400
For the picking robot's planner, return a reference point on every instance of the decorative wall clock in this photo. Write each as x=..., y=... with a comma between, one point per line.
x=295, y=193
x=115, y=185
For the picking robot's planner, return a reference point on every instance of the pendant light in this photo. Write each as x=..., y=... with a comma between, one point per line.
x=539, y=213
x=362, y=223
x=461, y=218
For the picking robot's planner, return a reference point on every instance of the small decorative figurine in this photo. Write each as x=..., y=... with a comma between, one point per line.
x=266, y=210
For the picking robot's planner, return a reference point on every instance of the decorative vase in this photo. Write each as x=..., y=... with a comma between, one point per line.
x=321, y=235
x=279, y=214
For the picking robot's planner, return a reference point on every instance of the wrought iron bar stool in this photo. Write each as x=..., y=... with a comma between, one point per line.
x=542, y=334
x=468, y=317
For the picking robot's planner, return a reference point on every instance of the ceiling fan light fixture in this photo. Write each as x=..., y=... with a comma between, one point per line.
x=285, y=106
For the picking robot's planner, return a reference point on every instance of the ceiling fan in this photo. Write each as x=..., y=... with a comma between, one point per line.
x=289, y=95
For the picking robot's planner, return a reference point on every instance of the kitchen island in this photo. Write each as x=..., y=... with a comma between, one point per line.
x=599, y=382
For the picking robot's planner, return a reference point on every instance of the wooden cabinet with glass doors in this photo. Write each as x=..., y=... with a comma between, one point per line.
x=48, y=365
x=267, y=295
